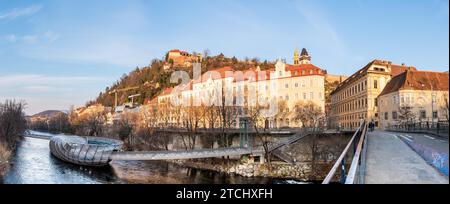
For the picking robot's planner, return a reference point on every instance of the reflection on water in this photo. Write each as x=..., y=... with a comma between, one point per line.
x=33, y=163
x=168, y=173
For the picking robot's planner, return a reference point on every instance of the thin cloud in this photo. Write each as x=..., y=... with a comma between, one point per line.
x=48, y=36
x=19, y=12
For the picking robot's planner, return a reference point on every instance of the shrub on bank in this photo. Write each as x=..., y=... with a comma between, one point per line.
x=12, y=127
x=5, y=154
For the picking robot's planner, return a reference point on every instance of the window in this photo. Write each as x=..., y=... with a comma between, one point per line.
x=311, y=95
x=296, y=96
x=435, y=114
x=287, y=97
x=310, y=71
x=386, y=115
x=375, y=84
x=376, y=102
x=279, y=73
x=394, y=115
x=423, y=114
x=286, y=86
x=376, y=115
x=303, y=72
x=296, y=84
x=304, y=96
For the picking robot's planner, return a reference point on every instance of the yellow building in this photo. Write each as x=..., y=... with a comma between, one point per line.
x=414, y=96
x=356, y=98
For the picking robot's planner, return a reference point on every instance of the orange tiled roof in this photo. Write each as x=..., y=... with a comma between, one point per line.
x=297, y=70
x=417, y=80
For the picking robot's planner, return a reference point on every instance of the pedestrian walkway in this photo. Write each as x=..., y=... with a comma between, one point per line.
x=391, y=161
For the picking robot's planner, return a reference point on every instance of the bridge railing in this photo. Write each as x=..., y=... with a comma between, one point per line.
x=356, y=170
x=439, y=128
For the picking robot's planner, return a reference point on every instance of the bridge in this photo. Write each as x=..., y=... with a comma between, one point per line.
x=188, y=154
x=93, y=151
x=382, y=157
x=209, y=153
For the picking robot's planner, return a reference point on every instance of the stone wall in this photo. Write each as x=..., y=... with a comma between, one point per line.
x=300, y=171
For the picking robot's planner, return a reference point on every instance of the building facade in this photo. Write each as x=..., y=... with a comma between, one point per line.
x=180, y=58
x=288, y=84
x=414, y=96
x=356, y=98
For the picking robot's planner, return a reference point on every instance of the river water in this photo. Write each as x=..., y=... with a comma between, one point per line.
x=33, y=163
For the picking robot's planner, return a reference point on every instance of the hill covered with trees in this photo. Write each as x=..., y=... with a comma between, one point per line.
x=153, y=78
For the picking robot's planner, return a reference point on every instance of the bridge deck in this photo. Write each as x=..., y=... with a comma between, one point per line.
x=390, y=160
x=190, y=154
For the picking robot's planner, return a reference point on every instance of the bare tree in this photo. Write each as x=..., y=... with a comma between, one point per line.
x=191, y=119
x=445, y=107
x=165, y=114
x=125, y=128
x=12, y=122
x=89, y=123
x=308, y=113
x=282, y=112
x=259, y=123
x=59, y=123
x=406, y=115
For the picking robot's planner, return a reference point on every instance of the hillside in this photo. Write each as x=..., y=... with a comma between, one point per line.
x=154, y=78
x=47, y=113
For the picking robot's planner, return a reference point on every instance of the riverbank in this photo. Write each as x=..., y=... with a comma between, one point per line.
x=5, y=156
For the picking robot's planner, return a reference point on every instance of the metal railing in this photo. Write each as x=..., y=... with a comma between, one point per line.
x=356, y=170
x=439, y=128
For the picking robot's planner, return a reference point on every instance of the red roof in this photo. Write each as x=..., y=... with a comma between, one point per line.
x=304, y=69
x=417, y=80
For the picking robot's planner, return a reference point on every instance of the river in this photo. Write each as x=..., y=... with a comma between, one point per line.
x=32, y=163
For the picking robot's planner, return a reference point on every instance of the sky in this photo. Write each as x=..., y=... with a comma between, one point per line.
x=54, y=54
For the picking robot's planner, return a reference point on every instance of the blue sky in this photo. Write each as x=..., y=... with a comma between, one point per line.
x=54, y=53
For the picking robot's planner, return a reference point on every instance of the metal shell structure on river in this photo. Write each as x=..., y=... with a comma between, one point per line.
x=86, y=151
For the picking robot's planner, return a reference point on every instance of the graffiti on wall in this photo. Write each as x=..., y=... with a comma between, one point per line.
x=439, y=160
